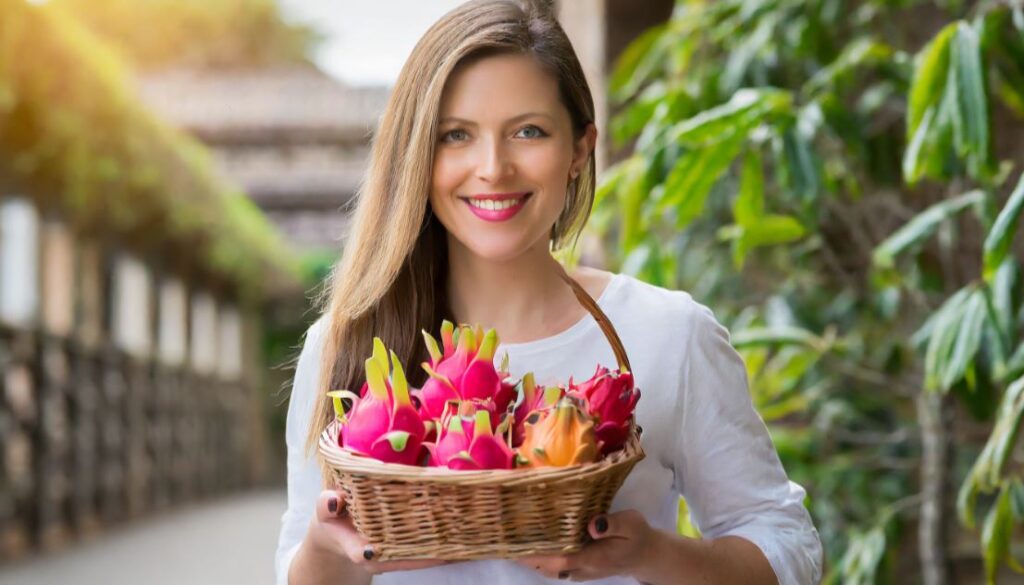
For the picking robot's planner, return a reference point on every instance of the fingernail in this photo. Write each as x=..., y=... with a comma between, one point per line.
x=367, y=553
x=563, y=575
x=601, y=524
x=332, y=505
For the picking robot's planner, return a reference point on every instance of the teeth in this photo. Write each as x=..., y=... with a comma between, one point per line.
x=492, y=205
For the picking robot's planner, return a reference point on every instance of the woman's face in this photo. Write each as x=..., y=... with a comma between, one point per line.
x=504, y=157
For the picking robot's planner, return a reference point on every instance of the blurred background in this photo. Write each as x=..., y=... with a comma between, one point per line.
x=839, y=180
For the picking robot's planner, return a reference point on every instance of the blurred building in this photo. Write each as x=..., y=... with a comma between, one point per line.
x=296, y=140
x=132, y=283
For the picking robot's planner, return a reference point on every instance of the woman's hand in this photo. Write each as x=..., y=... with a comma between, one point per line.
x=334, y=547
x=622, y=542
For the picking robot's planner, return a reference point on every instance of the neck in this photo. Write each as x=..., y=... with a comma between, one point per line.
x=524, y=298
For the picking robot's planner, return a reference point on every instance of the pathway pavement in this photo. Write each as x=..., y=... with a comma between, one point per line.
x=223, y=542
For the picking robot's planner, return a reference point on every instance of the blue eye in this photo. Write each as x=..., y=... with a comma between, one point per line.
x=447, y=136
x=539, y=133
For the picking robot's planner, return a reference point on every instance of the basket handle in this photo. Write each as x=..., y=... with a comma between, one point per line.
x=602, y=320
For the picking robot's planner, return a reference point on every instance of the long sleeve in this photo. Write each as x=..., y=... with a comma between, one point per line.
x=725, y=464
x=304, y=478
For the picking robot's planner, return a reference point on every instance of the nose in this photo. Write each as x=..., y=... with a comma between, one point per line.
x=495, y=164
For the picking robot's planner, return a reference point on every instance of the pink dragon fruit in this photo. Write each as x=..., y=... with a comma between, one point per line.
x=383, y=423
x=464, y=371
x=611, y=398
x=470, y=443
x=533, y=398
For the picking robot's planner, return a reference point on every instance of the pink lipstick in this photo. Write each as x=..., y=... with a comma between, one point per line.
x=497, y=207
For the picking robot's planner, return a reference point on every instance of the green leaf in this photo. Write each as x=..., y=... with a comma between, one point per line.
x=857, y=54
x=767, y=231
x=1006, y=428
x=863, y=557
x=746, y=108
x=913, y=163
x=1017, y=498
x=943, y=329
x=971, y=133
x=966, y=343
x=1015, y=364
x=689, y=184
x=967, y=497
x=931, y=67
x=801, y=166
x=749, y=205
x=996, y=536
x=1000, y=237
x=921, y=227
x=638, y=62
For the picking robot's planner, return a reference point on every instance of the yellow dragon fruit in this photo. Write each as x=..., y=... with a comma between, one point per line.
x=561, y=437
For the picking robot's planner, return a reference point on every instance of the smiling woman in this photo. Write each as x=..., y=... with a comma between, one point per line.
x=482, y=165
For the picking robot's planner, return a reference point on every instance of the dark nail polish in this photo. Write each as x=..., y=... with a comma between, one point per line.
x=332, y=505
x=601, y=524
x=368, y=553
x=563, y=575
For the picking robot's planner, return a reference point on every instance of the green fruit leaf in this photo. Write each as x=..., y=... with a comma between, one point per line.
x=1000, y=237
x=398, y=440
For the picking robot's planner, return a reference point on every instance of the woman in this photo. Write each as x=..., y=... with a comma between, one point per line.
x=482, y=164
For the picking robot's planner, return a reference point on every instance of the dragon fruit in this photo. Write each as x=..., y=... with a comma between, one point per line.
x=470, y=443
x=382, y=423
x=533, y=398
x=562, y=438
x=611, y=398
x=464, y=371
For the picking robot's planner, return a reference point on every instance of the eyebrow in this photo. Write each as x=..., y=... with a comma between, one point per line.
x=448, y=119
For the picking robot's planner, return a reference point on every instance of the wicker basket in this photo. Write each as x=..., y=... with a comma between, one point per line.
x=409, y=512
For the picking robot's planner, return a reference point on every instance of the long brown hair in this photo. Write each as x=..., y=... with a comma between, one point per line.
x=391, y=280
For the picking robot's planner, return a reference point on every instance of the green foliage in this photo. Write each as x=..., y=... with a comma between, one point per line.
x=73, y=133
x=859, y=173
x=195, y=33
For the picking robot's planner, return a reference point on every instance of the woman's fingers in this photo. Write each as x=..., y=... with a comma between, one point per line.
x=330, y=505
x=333, y=517
x=335, y=524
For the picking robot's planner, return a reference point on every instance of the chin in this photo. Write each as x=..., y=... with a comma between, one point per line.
x=496, y=249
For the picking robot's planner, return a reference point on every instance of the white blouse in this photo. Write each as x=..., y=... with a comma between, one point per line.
x=702, y=437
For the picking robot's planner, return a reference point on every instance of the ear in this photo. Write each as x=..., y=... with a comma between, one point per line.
x=582, y=149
